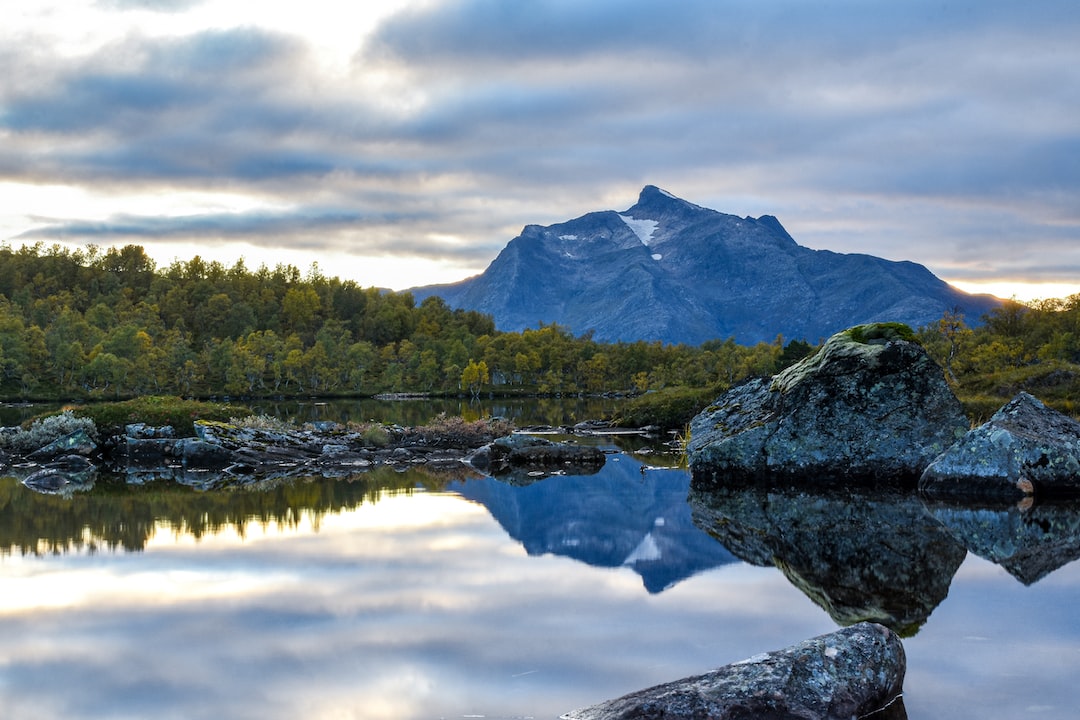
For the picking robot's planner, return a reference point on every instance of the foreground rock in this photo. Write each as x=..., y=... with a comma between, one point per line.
x=862, y=556
x=1026, y=448
x=869, y=405
x=845, y=674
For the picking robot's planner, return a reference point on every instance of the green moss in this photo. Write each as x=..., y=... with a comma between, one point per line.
x=882, y=332
x=157, y=411
x=669, y=408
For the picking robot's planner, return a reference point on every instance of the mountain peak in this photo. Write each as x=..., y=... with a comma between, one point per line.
x=656, y=200
x=696, y=275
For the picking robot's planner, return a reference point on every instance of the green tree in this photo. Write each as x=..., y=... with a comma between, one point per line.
x=474, y=377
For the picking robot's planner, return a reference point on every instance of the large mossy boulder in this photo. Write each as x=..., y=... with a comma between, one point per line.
x=1025, y=449
x=846, y=674
x=869, y=405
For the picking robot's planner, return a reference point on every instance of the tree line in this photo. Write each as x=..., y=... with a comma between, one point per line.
x=104, y=324
x=88, y=323
x=1017, y=346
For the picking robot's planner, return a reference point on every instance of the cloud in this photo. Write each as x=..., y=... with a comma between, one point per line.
x=165, y=6
x=912, y=122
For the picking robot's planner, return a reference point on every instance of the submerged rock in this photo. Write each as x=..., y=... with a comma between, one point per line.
x=870, y=405
x=845, y=674
x=1025, y=448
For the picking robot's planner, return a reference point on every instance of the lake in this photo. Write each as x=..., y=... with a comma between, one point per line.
x=414, y=595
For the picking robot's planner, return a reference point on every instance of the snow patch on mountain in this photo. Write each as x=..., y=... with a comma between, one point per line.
x=644, y=229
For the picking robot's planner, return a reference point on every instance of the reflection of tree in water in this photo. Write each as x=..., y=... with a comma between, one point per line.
x=417, y=412
x=115, y=515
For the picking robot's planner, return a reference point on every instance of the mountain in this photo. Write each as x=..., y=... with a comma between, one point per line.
x=669, y=270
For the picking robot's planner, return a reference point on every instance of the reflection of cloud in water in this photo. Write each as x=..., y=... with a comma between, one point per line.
x=439, y=614
x=420, y=606
x=996, y=648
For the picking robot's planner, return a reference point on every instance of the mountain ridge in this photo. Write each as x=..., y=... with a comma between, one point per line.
x=668, y=270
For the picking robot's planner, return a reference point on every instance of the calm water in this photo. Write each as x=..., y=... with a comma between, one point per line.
x=407, y=595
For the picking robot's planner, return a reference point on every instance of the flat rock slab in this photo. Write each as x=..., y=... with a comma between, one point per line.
x=845, y=674
x=1025, y=449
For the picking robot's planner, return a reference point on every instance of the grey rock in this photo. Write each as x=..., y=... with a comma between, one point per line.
x=1025, y=448
x=869, y=405
x=72, y=464
x=671, y=271
x=860, y=555
x=195, y=453
x=510, y=455
x=142, y=431
x=150, y=451
x=846, y=674
x=76, y=443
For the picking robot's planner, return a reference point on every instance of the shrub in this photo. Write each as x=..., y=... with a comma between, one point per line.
x=372, y=434
x=669, y=408
x=457, y=432
x=177, y=413
x=263, y=422
x=45, y=430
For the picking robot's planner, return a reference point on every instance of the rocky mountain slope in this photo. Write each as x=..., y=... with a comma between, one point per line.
x=669, y=270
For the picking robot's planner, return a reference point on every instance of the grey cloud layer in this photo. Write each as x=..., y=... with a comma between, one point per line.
x=540, y=111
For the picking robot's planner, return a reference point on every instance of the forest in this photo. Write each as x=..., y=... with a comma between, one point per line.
x=87, y=324
x=108, y=324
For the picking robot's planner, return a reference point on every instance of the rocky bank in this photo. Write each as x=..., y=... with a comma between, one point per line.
x=220, y=454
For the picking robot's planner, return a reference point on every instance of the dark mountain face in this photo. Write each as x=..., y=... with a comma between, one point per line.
x=672, y=271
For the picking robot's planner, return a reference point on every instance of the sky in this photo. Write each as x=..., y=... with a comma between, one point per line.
x=400, y=143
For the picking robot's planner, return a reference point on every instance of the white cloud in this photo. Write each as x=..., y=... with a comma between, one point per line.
x=939, y=134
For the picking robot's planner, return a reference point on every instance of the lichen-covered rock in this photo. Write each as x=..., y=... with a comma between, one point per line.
x=1025, y=448
x=845, y=674
x=870, y=404
x=75, y=443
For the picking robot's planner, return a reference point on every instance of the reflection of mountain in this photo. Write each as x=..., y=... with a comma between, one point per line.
x=619, y=516
x=861, y=556
x=115, y=515
x=1030, y=543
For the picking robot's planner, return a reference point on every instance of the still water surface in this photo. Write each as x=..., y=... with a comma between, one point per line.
x=405, y=595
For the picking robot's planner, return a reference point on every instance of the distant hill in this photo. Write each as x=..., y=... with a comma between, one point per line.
x=672, y=271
